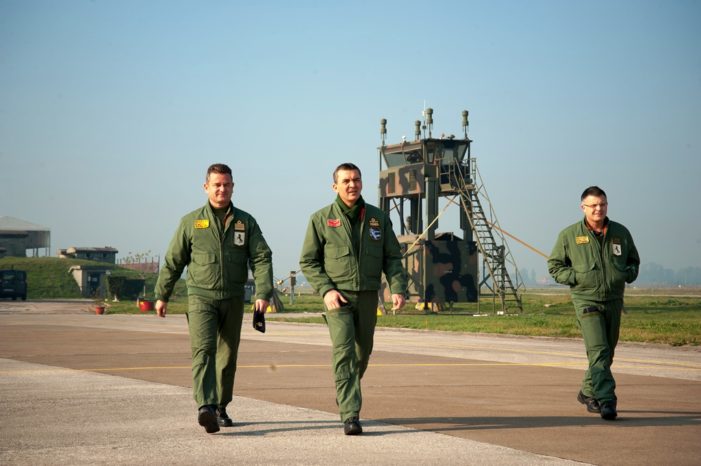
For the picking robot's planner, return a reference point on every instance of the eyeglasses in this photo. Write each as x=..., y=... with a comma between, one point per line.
x=594, y=206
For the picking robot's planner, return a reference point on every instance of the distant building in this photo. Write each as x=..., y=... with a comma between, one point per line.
x=106, y=254
x=90, y=280
x=19, y=236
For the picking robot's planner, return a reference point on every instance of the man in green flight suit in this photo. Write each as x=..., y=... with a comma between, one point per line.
x=217, y=243
x=348, y=245
x=596, y=257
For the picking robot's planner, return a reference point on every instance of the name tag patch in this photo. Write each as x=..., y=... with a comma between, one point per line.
x=333, y=222
x=201, y=224
x=582, y=240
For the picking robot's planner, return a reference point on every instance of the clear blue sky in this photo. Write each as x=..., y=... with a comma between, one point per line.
x=110, y=111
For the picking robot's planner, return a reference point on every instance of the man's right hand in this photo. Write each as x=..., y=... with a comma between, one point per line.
x=333, y=299
x=161, y=307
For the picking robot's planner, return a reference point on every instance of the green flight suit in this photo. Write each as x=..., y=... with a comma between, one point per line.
x=217, y=257
x=350, y=256
x=596, y=268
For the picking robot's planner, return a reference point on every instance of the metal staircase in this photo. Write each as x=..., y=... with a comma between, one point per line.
x=490, y=240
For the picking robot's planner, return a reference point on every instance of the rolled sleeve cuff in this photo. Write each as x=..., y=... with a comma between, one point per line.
x=325, y=289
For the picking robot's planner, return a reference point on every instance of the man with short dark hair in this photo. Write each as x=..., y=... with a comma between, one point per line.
x=217, y=243
x=349, y=244
x=596, y=257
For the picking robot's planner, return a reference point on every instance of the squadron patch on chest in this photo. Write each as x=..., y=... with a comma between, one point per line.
x=239, y=238
x=582, y=240
x=375, y=230
x=201, y=224
x=239, y=233
x=333, y=222
x=616, y=246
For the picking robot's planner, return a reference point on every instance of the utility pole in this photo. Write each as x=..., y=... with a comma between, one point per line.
x=293, y=282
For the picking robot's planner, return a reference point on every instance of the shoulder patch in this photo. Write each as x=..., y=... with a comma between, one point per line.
x=202, y=223
x=582, y=239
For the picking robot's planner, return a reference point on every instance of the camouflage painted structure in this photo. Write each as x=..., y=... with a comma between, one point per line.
x=444, y=267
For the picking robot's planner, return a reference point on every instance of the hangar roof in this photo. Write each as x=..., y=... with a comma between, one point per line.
x=8, y=224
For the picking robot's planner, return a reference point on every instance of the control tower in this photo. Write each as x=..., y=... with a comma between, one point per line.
x=443, y=267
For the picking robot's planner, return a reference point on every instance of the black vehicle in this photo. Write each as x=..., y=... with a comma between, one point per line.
x=13, y=284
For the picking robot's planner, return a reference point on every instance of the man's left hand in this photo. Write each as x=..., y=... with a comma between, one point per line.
x=397, y=302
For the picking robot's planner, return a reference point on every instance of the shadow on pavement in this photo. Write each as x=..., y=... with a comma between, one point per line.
x=373, y=428
x=448, y=424
x=287, y=426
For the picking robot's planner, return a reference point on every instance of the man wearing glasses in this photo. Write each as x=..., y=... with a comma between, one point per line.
x=596, y=257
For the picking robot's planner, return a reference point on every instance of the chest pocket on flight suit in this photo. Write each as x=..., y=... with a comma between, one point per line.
x=337, y=261
x=586, y=276
x=203, y=270
x=237, y=263
x=619, y=261
x=372, y=260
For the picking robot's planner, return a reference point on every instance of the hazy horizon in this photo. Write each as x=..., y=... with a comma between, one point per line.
x=110, y=112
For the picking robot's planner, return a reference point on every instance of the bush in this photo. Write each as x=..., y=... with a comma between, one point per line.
x=124, y=288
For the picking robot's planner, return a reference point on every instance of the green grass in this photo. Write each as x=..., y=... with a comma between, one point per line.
x=49, y=278
x=46, y=276
x=651, y=319
x=672, y=321
x=176, y=306
x=652, y=316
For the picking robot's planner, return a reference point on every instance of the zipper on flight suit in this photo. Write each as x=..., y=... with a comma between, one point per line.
x=360, y=243
x=221, y=233
x=349, y=231
x=348, y=228
x=601, y=245
x=604, y=262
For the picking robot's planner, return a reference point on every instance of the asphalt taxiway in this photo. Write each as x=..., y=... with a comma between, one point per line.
x=80, y=388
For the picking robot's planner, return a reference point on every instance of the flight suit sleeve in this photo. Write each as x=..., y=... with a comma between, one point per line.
x=311, y=260
x=392, y=261
x=261, y=262
x=176, y=259
x=633, y=263
x=559, y=263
